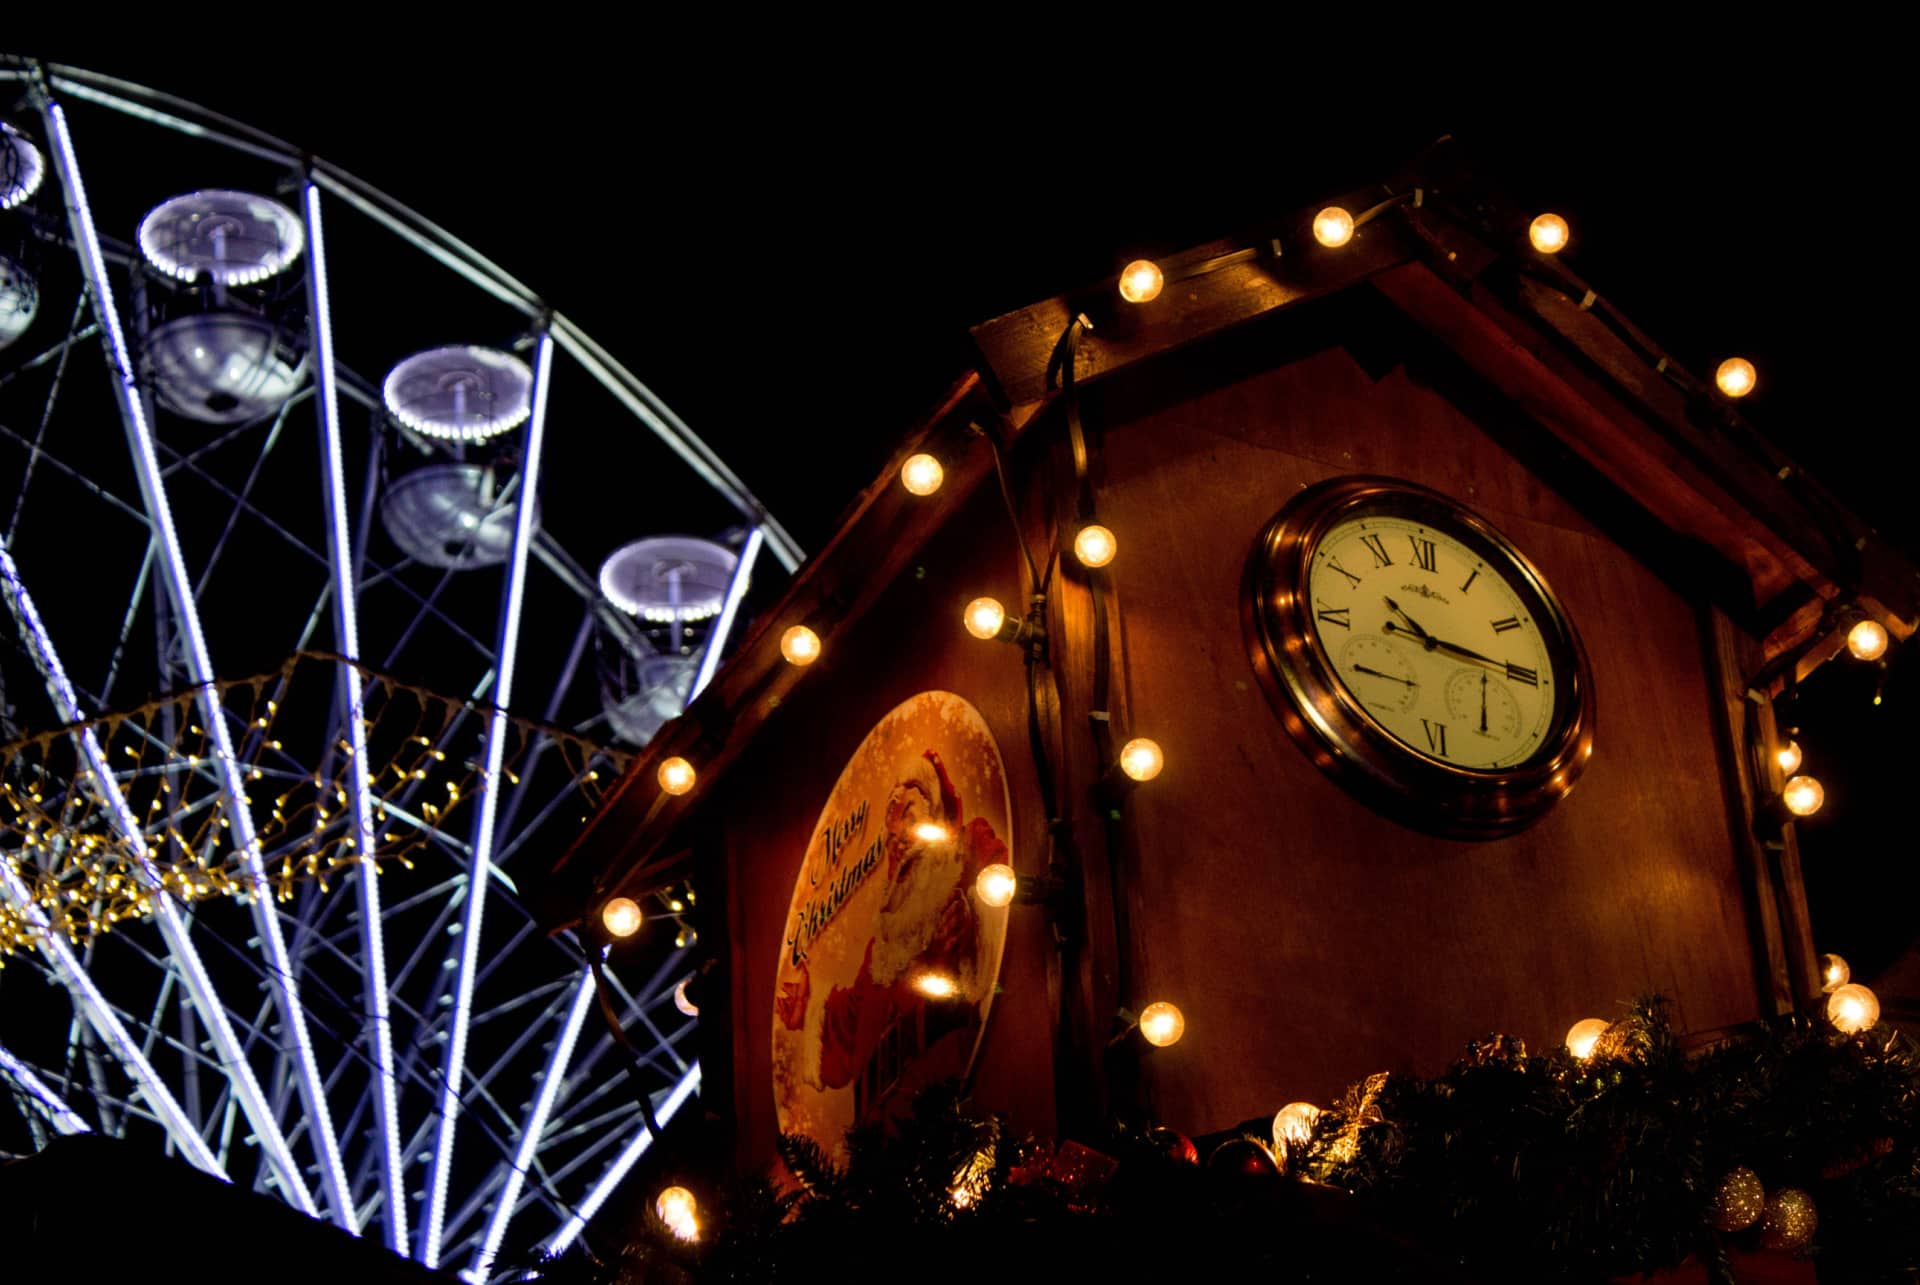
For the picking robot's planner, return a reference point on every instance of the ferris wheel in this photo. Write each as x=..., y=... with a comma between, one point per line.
x=257, y=899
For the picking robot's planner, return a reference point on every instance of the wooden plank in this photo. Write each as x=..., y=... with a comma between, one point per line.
x=1790, y=889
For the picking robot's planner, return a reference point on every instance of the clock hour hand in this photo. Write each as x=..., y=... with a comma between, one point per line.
x=1425, y=637
x=1440, y=644
x=1395, y=678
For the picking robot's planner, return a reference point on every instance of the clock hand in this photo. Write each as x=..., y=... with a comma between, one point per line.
x=1395, y=678
x=1483, y=704
x=1425, y=637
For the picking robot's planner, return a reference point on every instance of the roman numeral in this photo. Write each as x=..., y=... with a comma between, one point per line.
x=1436, y=737
x=1470, y=579
x=1423, y=554
x=1501, y=626
x=1334, y=615
x=1335, y=564
x=1377, y=549
x=1521, y=674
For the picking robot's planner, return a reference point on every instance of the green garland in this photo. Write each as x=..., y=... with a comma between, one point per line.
x=1506, y=1167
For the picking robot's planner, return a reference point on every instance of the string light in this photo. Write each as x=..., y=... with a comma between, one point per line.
x=985, y=617
x=1141, y=759
x=1548, y=232
x=1735, y=377
x=936, y=985
x=1853, y=1008
x=677, y=1210
x=1584, y=1035
x=1803, y=796
x=1867, y=640
x=622, y=916
x=800, y=645
x=680, y=1000
x=676, y=775
x=1141, y=281
x=1788, y=757
x=1293, y=1125
x=1834, y=973
x=931, y=832
x=996, y=885
x=1161, y=1024
x=1333, y=227
x=1095, y=546
x=922, y=474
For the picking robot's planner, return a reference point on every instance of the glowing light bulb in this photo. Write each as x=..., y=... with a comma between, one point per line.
x=984, y=617
x=1548, y=232
x=1834, y=973
x=1333, y=227
x=680, y=1000
x=936, y=986
x=1293, y=1126
x=922, y=474
x=1584, y=1035
x=1095, y=546
x=622, y=916
x=676, y=775
x=1867, y=640
x=1141, y=281
x=1803, y=796
x=996, y=885
x=1788, y=757
x=800, y=645
x=1735, y=377
x=930, y=832
x=1853, y=1008
x=1141, y=759
x=677, y=1210
x=1162, y=1024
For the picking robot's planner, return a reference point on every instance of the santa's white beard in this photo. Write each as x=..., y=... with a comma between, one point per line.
x=911, y=913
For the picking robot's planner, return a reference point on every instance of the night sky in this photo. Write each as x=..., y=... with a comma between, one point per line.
x=787, y=232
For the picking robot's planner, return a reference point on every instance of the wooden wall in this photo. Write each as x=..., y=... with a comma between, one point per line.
x=1309, y=940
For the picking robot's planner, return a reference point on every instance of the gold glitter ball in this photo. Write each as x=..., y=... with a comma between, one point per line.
x=1789, y=1220
x=1738, y=1201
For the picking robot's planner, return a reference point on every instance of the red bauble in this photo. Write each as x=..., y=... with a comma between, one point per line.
x=1174, y=1144
x=1242, y=1156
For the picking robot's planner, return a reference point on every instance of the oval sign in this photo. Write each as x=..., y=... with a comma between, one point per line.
x=890, y=960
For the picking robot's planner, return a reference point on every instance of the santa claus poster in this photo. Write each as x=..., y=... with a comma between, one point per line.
x=890, y=958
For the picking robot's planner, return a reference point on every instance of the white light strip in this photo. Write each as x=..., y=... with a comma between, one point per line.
x=477, y=873
x=552, y=1078
x=717, y=639
x=571, y=1229
x=43, y=1097
x=173, y=927
x=100, y=1015
x=146, y=462
x=346, y=623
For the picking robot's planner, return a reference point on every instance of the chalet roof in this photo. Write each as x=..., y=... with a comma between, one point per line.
x=1455, y=259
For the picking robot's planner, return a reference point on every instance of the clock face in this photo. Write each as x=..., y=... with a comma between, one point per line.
x=1417, y=656
x=1433, y=639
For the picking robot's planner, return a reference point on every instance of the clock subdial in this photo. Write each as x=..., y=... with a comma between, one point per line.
x=1484, y=704
x=1378, y=674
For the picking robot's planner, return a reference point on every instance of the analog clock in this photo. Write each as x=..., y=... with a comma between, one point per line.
x=1418, y=656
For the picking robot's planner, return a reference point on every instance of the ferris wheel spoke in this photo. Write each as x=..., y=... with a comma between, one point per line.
x=44, y=1099
x=65, y=349
x=245, y=496
x=636, y=1147
x=73, y=474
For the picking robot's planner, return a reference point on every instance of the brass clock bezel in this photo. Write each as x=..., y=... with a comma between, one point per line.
x=1337, y=731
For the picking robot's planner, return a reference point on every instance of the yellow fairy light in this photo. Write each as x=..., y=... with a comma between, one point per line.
x=1095, y=546
x=996, y=885
x=1735, y=377
x=1853, y=1008
x=1141, y=759
x=922, y=474
x=1803, y=796
x=1867, y=640
x=678, y=1211
x=1293, y=1125
x=1834, y=972
x=1333, y=227
x=1788, y=757
x=936, y=985
x=676, y=775
x=1584, y=1035
x=1548, y=232
x=1141, y=281
x=1161, y=1024
x=800, y=645
x=984, y=617
x=622, y=916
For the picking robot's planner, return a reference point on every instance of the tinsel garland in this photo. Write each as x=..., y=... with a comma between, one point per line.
x=1506, y=1167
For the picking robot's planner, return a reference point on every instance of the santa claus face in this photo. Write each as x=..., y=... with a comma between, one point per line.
x=924, y=860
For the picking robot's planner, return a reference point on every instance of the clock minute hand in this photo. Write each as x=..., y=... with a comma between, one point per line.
x=1467, y=654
